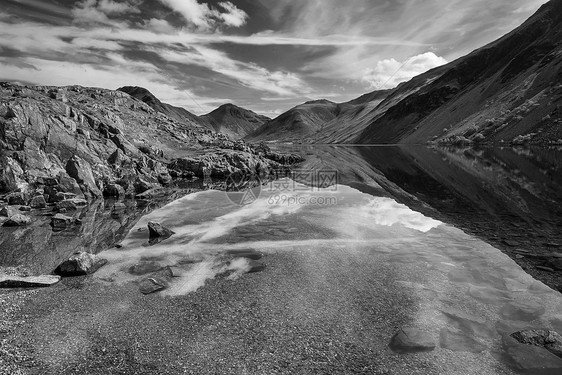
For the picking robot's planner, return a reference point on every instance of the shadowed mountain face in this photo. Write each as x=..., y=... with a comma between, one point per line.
x=177, y=113
x=511, y=198
x=234, y=121
x=299, y=122
x=507, y=91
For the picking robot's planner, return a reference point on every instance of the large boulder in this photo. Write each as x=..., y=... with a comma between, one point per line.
x=81, y=171
x=80, y=264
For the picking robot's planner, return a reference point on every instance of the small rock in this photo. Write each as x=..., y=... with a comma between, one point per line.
x=17, y=221
x=8, y=281
x=157, y=232
x=79, y=264
x=72, y=204
x=16, y=198
x=25, y=208
x=411, y=340
x=38, y=202
x=60, y=221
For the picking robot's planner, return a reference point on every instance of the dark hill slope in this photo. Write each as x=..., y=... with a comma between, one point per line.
x=177, y=113
x=234, y=121
x=302, y=121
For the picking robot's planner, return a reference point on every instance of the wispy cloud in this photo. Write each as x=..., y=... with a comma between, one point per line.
x=224, y=49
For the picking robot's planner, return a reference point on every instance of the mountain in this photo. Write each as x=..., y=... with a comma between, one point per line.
x=234, y=121
x=91, y=142
x=507, y=91
x=300, y=122
x=177, y=113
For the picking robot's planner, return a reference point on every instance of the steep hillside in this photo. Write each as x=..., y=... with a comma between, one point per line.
x=234, y=121
x=177, y=113
x=297, y=123
x=507, y=91
x=354, y=117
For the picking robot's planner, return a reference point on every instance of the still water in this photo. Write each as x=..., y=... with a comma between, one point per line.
x=347, y=264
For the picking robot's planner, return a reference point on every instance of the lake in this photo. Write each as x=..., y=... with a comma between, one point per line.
x=357, y=244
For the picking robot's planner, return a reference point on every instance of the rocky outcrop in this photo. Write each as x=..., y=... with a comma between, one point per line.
x=92, y=142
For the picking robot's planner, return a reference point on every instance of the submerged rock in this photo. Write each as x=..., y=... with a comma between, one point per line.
x=411, y=340
x=156, y=282
x=248, y=253
x=531, y=359
x=9, y=281
x=550, y=340
x=458, y=341
x=256, y=266
x=17, y=220
x=80, y=264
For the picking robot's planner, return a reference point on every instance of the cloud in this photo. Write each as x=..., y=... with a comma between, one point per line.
x=97, y=12
x=249, y=75
x=233, y=16
x=202, y=16
x=118, y=72
x=389, y=72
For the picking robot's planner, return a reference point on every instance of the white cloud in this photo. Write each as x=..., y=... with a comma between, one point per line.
x=233, y=16
x=389, y=72
x=202, y=16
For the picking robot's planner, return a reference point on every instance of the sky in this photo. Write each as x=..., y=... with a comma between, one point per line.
x=264, y=55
